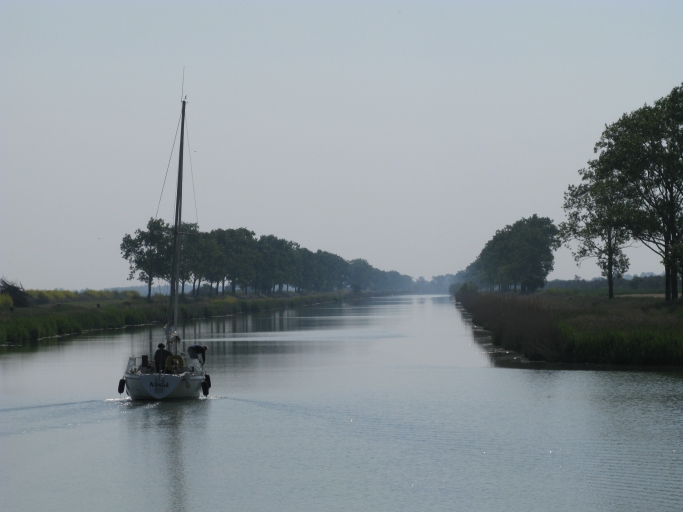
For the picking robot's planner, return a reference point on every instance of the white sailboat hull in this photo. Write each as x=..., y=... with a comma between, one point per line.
x=160, y=386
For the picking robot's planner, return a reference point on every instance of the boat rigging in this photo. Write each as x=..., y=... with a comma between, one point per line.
x=170, y=375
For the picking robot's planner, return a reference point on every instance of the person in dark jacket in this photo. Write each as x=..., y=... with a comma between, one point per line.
x=160, y=357
x=197, y=350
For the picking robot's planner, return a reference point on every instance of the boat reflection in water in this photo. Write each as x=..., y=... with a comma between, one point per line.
x=165, y=432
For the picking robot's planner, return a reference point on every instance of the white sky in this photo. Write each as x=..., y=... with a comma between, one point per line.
x=405, y=133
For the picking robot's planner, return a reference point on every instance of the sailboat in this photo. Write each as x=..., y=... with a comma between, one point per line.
x=180, y=376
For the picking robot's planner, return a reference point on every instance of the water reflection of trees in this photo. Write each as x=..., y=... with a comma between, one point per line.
x=217, y=332
x=238, y=341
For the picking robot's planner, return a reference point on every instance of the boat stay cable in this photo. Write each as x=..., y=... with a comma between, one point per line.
x=170, y=157
x=189, y=150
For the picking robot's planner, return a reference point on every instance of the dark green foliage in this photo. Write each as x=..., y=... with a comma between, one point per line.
x=461, y=290
x=520, y=254
x=277, y=264
x=187, y=253
x=148, y=253
x=597, y=218
x=264, y=265
x=19, y=296
x=633, y=190
x=642, y=154
x=650, y=284
x=360, y=274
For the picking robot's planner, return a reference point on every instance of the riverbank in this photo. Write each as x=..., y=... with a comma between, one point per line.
x=25, y=325
x=579, y=329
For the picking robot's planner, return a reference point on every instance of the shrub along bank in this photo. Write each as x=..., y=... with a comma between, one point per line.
x=576, y=328
x=31, y=324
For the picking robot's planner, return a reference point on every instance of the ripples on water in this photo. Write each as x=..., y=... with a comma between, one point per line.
x=383, y=405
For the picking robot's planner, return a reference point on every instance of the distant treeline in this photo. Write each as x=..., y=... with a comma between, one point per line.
x=649, y=284
x=437, y=285
x=646, y=284
x=637, y=284
x=238, y=259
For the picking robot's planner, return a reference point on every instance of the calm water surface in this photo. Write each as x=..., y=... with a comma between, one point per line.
x=385, y=404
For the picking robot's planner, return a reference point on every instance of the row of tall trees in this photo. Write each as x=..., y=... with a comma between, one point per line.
x=236, y=258
x=519, y=255
x=632, y=191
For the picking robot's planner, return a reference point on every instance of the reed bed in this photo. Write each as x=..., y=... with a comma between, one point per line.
x=22, y=329
x=519, y=324
x=581, y=329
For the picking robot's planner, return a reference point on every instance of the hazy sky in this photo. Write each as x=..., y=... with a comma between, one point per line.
x=404, y=133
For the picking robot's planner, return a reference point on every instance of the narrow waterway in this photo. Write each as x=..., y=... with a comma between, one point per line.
x=383, y=404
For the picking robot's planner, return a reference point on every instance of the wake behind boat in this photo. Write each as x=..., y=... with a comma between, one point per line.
x=170, y=375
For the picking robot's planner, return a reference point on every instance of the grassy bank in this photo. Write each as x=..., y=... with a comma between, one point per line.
x=34, y=323
x=576, y=328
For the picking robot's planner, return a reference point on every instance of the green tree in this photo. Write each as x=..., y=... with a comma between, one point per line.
x=360, y=274
x=597, y=218
x=187, y=252
x=243, y=259
x=521, y=253
x=278, y=264
x=211, y=260
x=20, y=298
x=149, y=253
x=304, y=276
x=643, y=152
x=225, y=254
x=332, y=271
x=535, y=240
x=495, y=263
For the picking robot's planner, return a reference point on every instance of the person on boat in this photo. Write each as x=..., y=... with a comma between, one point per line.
x=160, y=357
x=196, y=350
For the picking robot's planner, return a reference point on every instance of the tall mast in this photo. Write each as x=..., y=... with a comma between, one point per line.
x=176, y=228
